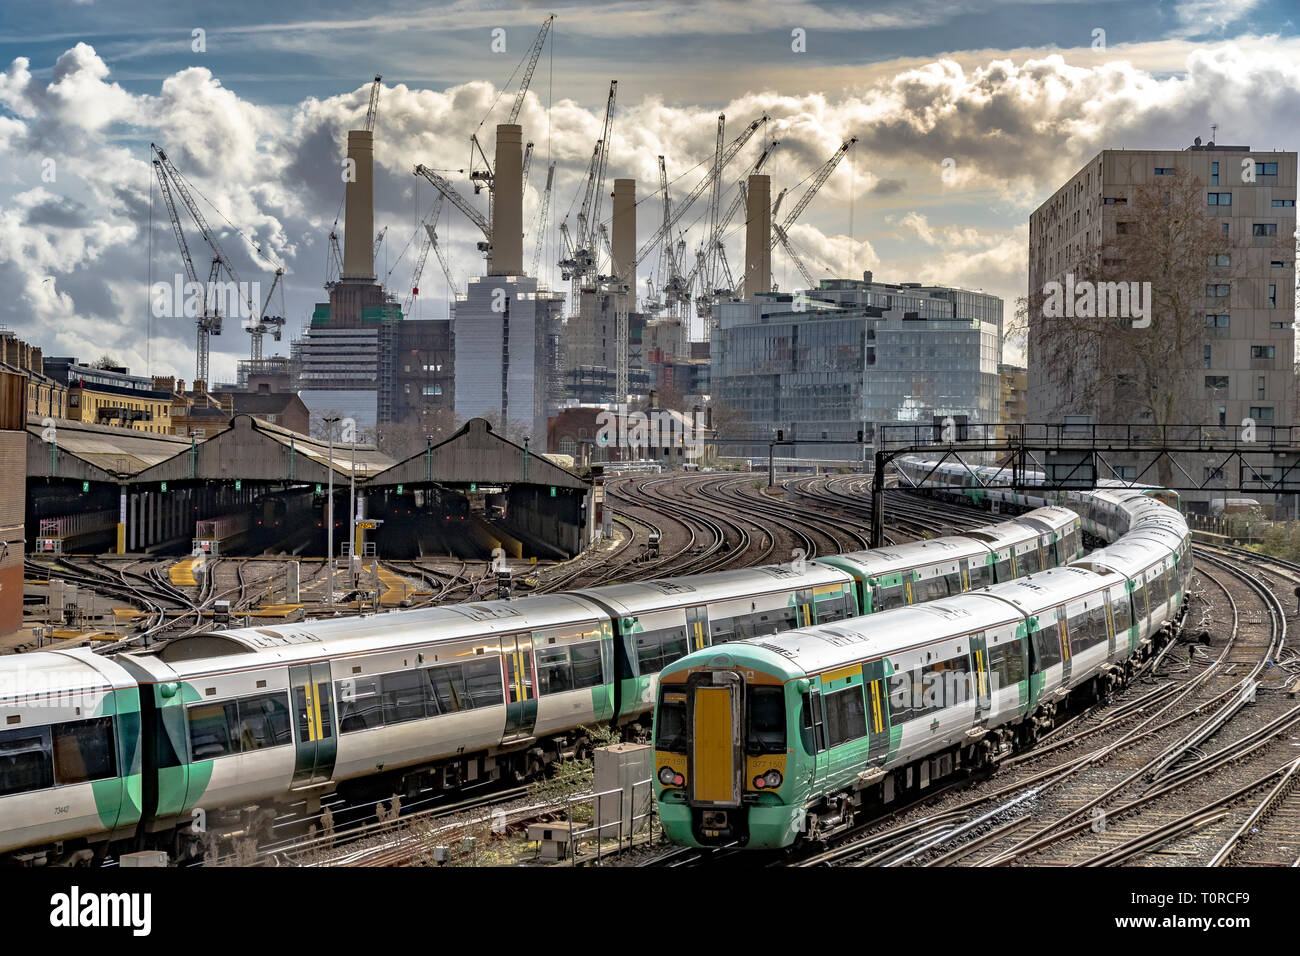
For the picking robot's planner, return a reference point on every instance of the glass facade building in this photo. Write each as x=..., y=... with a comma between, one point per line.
x=851, y=355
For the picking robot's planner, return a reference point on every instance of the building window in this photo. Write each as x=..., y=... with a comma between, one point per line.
x=1220, y=199
x=1217, y=290
x=1121, y=228
x=1266, y=169
x=1260, y=386
x=1277, y=264
x=1225, y=228
x=1222, y=259
x=1261, y=351
x=1223, y=416
x=1261, y=413
x=1214, y=174
x=1164, y=170
x=1207, y=356
x=1216, y=381
x=1272, y=295
x=1263, y=229
x=1216, y=320
x=1288, y=203
x=431, y=390
x=1116, y=201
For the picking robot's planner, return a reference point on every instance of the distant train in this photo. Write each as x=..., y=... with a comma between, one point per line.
x=774, y=740
x=98, y=751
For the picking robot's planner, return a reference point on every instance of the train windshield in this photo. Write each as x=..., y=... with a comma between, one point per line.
x=765, y=728
x=670, y=728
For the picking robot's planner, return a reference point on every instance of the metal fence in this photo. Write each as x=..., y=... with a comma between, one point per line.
x=625, y=828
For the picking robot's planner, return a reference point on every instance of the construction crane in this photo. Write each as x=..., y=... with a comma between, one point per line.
x=580, y=263
x=487, y=176
x=209, y=323
x=523, y=175
x=460, y=202
x=680, y=208
x=541, y=219
x=710, y=289
x=264, y=323
x=430, y=219
x=379, y=241
x=533, y=56
x=372, y=111
x=780, y=233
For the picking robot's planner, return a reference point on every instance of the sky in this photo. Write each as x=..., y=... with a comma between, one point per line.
x=968, y=114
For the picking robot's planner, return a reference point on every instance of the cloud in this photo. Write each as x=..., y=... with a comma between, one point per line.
x=1014, y=127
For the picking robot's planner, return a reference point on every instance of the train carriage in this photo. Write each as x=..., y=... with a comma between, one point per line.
x=70, y=760
x=264, y=712
x=657, y=622
x=910, y=573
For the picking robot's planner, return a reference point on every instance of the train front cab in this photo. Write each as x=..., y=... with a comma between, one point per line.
x=721, y=757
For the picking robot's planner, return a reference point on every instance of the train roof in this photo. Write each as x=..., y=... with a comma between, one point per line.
x=1038, y=592
x=909, y=555
x=640, y=597
x=29, y=677
x=346, y=637
x=811, y=650
x=1054, y=517
x=1004, y=533
x=1128, y=556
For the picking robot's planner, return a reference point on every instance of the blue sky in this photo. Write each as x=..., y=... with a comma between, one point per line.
x=1016, y=95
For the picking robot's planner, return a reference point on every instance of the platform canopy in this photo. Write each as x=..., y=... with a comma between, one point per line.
x=251, y=449
x=81, y=451
x=478, y=455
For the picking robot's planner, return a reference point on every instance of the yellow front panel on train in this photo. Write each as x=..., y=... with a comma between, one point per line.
x=715, y=774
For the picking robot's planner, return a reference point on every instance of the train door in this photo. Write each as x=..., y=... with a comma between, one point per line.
x=873, y=675
x=697, y=627
x=979, y=655
x=803, y=600
x=521, y=696
x=813, y=723
x=715, y=716
x=313, y=706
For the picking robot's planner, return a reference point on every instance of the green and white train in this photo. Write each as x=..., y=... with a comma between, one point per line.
x=769, y=741
x=217, y=733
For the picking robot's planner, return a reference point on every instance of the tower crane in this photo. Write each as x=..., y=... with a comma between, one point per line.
x=486, y=176
x=209, y=323
x=372, y=111
x=430, y=219
x=780, y=233
x=680, y=208
x=581, y=263
x=460, y=202
x=264, y=323
x=541, y=219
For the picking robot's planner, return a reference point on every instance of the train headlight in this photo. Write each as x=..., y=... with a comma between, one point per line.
x=768, y=781
x=670, y=777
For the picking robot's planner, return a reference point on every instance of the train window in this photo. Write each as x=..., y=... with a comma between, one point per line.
x=670, y=724
x=1029, y=561
x=812, y=731
x=587, y=671
x=1140, y=608
x=84, y=750
x=888, y=597
x=1158, y=594
x=846, y=715
x=1004, y=570
x=906, y=696
x=765, y=728
x=359, y=704
x=1046, y=645
x=722, y=631
x=1087, y=628
x=24, y=762
x=944, y=684
x=930, y=589
x=554, y=673
x=447, y=685
x=978, y=575
x=655, y=650
x=1119, y=612
x=1007, y=662
x=834, y=607
x=264, y=721
x=211, y=727
x=483, y=683
x=402, y=695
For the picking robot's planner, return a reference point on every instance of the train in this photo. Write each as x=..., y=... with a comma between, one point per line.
x=768, y=743
x=98, y=751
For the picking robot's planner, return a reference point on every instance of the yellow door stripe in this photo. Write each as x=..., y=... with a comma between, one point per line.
x=319, y=729
x=311, y=721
